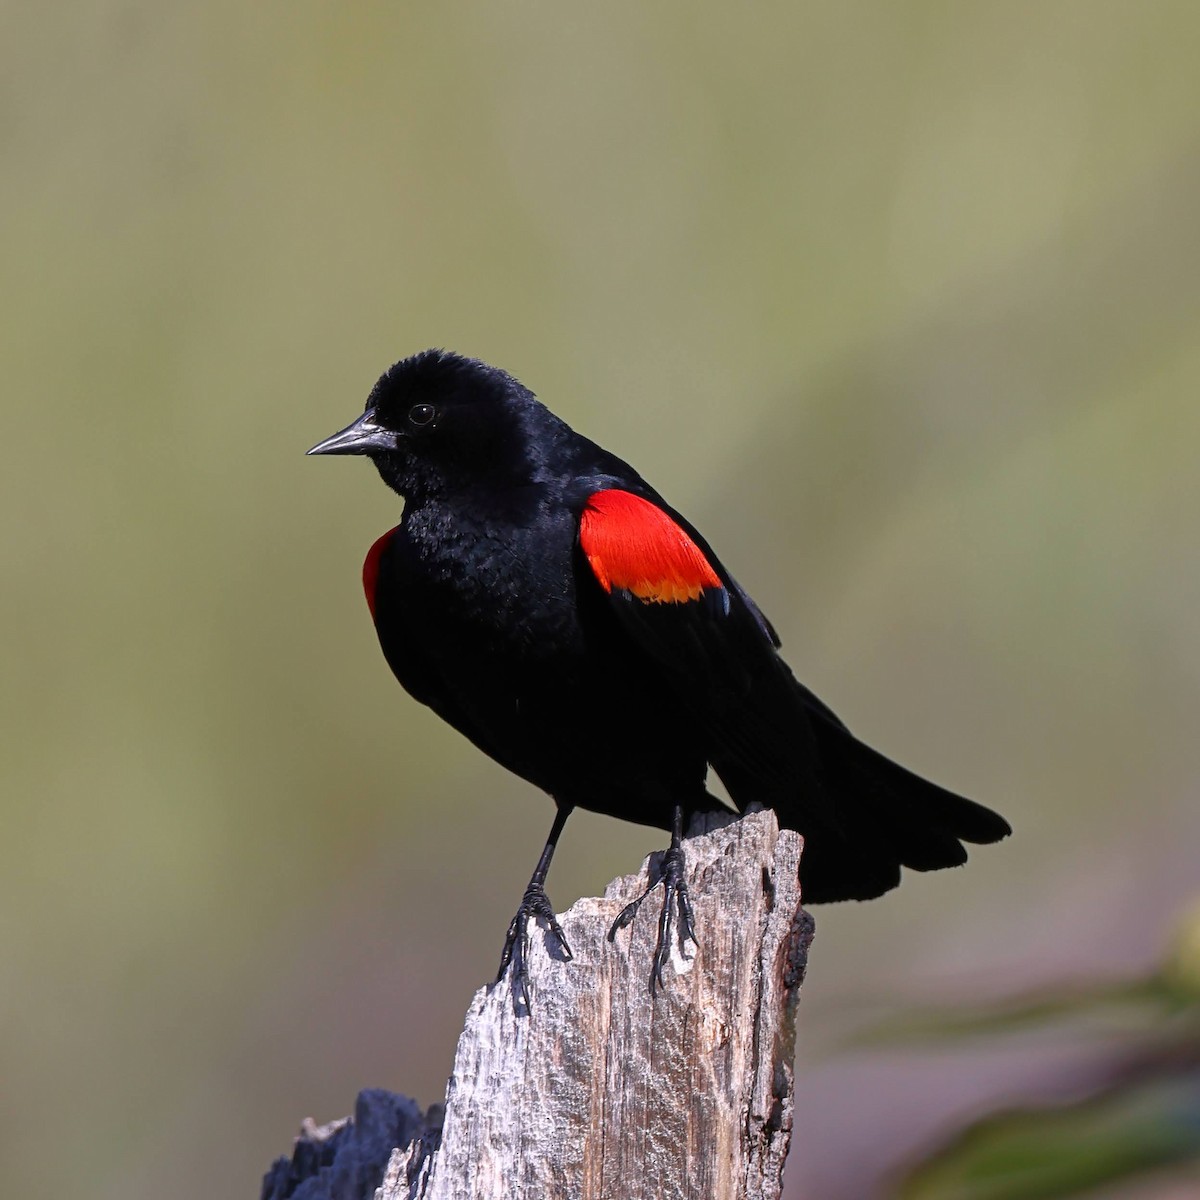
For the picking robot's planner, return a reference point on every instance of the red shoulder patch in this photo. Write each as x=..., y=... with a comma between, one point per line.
x=633, y=545
x=371, y=568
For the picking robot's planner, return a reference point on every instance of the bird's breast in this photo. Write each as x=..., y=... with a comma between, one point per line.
x=493, y=588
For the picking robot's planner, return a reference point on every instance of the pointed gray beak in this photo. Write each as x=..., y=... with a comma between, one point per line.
x=365, y=436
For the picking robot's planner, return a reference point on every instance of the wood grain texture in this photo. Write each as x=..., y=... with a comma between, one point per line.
x=608, y=1093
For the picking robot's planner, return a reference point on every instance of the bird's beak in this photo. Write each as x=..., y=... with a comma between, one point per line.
x=365, y=436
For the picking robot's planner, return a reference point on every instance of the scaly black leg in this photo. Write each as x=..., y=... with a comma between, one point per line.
x=673, y=876
x=534, y=904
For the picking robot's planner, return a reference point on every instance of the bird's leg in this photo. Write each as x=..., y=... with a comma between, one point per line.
x=534, y=904
x=673, y=876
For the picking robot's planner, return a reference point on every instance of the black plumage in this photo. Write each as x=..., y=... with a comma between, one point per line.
x=544, y=600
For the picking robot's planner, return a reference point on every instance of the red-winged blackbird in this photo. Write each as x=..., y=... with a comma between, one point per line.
x=540, y=596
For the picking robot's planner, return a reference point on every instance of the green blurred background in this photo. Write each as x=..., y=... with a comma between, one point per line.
x=899, y=301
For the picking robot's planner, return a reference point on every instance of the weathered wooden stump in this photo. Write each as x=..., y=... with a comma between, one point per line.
x=606, y=1092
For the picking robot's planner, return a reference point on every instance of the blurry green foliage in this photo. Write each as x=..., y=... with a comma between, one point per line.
x=1141, y=1113
x=1067, y=1152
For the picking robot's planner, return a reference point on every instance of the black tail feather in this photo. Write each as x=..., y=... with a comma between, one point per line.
x=887, y=817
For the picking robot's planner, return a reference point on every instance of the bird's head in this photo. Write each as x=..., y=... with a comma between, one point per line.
x=438, y=421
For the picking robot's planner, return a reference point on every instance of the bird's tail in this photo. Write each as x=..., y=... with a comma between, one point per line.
x=863, y=816
x=876, y=818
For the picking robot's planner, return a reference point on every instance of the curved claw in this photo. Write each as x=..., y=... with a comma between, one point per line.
x=534, y=904
x=676, y=902
x=626, y=915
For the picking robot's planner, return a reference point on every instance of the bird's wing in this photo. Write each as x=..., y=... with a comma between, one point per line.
x=717, y=653
x=370, y=571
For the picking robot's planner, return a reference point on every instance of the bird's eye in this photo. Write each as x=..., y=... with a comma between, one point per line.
x=422, y=414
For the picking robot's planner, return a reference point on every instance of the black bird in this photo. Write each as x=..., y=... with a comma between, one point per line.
x=546, y=601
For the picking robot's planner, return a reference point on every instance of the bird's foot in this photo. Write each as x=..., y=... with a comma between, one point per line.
x=534, y=904
x=676, y=905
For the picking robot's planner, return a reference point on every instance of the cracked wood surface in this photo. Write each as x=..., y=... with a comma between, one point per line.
x=607, y=1093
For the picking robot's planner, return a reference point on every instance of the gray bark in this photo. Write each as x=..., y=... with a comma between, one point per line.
x=606, y=1092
